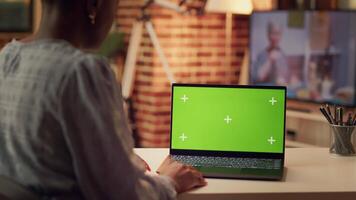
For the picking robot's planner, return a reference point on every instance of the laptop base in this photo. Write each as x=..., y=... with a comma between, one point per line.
x=236, y=173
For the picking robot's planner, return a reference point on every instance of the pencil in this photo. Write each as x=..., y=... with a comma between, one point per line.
x=335, y=114
x=328, y=113
x=322, y=110
x=349, y=120
x=328, y=109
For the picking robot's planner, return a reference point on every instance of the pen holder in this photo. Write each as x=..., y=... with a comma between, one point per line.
x=342, y=140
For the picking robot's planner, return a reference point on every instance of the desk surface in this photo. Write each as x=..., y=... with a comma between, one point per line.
x=311, y=173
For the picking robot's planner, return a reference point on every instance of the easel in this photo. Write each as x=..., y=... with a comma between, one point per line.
x=144, y=21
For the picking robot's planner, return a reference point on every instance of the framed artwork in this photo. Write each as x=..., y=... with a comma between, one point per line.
x=16, y=16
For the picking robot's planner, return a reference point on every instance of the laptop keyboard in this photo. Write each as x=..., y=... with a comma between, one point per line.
x=228, y=162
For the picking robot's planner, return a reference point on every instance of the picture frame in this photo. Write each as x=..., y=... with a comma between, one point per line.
x=16, y=16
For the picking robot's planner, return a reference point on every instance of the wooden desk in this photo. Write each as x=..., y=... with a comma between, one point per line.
x=312, y=173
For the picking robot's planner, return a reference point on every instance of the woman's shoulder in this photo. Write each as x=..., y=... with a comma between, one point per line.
x=64, y=56
x=59, y=59
x=55, y=51
x=90, y=64
x=87, y=66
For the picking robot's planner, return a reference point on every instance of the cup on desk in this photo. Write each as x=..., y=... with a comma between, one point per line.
x=342, y=140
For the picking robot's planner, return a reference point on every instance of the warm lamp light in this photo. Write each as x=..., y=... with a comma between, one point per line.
x=230, y=6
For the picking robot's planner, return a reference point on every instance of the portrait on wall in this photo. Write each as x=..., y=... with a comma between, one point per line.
x=16, y=15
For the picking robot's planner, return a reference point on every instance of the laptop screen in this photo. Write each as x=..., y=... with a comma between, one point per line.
x=234, y=119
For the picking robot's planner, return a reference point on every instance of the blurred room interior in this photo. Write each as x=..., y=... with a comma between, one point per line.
x=196, y=41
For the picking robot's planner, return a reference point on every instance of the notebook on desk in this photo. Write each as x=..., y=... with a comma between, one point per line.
x=229, y=131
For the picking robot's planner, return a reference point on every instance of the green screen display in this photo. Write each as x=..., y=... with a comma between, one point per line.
x=228, y=119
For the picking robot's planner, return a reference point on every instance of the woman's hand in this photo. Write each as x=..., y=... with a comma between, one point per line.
x=186, y=177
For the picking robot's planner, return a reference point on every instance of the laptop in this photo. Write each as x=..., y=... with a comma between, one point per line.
x=229, y=131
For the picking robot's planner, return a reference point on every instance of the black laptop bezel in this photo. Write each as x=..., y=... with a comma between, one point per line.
x=228, y=153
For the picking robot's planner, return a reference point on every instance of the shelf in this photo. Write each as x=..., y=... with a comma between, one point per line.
x=295, y=144
x=307, y=116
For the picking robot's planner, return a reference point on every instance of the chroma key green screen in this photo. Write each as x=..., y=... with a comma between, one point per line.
x=228, y=119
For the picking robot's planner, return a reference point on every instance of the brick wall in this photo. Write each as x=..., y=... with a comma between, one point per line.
x=195, y=47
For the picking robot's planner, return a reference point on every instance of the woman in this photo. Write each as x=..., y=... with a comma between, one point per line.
x=62, y=128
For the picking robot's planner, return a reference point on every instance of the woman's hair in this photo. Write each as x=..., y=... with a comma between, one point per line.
x=56, y=1
x=92, y=18
x=64, y=4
